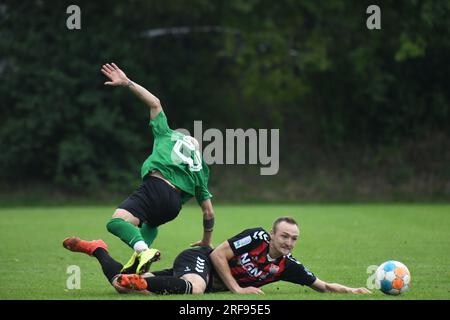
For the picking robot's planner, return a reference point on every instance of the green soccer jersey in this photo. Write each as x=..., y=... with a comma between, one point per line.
x=175, y=156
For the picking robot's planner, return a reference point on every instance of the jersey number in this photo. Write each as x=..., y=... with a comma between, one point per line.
x=185, y=146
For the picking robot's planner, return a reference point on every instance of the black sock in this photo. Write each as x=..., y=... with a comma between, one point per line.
x=110, y=267
x=168, y=285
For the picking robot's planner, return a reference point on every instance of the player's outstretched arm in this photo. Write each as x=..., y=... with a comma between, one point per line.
x=219, y=258
x=118, y=78
x=322, y=286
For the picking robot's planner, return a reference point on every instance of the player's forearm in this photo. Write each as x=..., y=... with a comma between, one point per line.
x=143, y=94
x=337, y=288
x=207, y=236
x=221, y=266
x=208, y=221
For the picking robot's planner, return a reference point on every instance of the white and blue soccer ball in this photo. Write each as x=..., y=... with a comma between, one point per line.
x=392, y=277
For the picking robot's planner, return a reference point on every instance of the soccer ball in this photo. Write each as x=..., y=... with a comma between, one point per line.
x=392, y=277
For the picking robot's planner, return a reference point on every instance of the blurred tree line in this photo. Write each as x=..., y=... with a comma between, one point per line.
x=344, y=97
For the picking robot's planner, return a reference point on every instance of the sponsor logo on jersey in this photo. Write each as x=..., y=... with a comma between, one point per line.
x=247, y=263
x=242, y=242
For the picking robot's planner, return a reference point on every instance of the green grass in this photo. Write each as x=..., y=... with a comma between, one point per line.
x=337, y=243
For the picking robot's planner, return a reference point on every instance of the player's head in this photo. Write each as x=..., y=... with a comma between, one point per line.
x=284, y=235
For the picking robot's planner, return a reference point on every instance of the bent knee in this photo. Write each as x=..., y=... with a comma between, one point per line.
x=198, y=290
x=198, y=284
x=125, y=215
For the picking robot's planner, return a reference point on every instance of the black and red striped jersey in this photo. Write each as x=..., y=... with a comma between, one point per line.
x=252, y=266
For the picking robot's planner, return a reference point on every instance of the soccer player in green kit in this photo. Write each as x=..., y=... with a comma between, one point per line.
x=172, y=174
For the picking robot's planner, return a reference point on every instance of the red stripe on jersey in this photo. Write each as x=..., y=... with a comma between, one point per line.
x=257, y=251
x=282, y=265
x=238, y=270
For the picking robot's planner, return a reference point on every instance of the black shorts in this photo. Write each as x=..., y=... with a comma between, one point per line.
x=194, y=260
x=153, y=202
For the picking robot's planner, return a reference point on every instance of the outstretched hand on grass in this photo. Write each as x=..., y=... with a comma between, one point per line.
x=361, y=291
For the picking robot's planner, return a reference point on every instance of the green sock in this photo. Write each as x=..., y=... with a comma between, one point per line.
x=126, y=231
x=149, y=233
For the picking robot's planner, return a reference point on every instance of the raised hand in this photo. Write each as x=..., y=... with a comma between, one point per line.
x=116, y=76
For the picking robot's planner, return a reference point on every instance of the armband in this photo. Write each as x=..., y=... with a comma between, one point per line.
x=208, y=224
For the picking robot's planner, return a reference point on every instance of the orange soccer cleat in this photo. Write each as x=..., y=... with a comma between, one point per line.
x=132, y=281
x=78, y=245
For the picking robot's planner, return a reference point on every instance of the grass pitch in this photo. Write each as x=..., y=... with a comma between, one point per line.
x=337, y=242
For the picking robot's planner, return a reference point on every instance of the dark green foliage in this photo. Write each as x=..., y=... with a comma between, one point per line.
x=310, y=68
